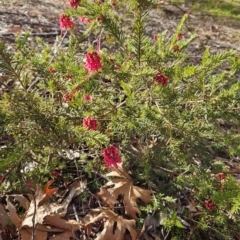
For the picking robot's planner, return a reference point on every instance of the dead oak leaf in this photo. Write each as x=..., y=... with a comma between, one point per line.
x=4, y=218
x=42, y=215
x=25, y=233
x=123, y=184
x=62, y=236
x=39, y=208
x=63, y=224
x=115, y=226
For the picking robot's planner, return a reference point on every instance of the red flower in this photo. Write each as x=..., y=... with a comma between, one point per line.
x=51, y=70
x=29, y=184
x=117, y=67
x=7, y=231
x=55, y=173
x=111, y=156
x=209, y=204
x=100, y=18
x=1, y=179
x=87, y=97
x=93, y=62
x=85, y=20
x=69, y=96
x=74, y=3
x=65, y=22
x=155, y=37
x=161, y=79
x=69, y=76
x=221, y=177
x=113, y=4
x=90, y=123
x=179, y=36
x=100, y=1
x=176, y=48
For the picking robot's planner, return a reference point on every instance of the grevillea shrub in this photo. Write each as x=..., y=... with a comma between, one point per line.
x=130, y=98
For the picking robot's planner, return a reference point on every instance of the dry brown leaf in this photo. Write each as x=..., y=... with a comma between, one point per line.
x=155, y=235
x=4, y=218
x=61, y=223
x=115, y=226
x=27, y=233
x=40, y=210
x=123, y=184
x=192, y=206
x=35, y=211
x=62, y=236
x=89, y=217
x=25, y=203
x=13, y=215
x=46, y=215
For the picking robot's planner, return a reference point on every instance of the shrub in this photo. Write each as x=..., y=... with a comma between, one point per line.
x=126, y=97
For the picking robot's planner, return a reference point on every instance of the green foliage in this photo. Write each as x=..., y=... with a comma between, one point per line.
x=181, y=127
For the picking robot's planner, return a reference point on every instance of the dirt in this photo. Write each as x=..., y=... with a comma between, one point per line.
x=40, y=17
x=219, y=33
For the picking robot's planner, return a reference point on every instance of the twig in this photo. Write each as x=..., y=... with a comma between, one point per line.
x=165, y=170
x=113, y=109
x=34, y=230
x=75, y=213
x=58, y=46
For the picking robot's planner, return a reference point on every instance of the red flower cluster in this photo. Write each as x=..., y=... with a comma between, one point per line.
x=69, y=96
x=55, y=173
x=65, y=22
x=85, y=20
x=93, y=62
x=1, y=179
x=51, y=70
x=111, y=156
x=7, y=231
x=29, y=184
x=100, y=1
x=176, y=48
x=101, y=17
x=74, y=3
x=221, y=177
x=69, y=76
x=90, y=123
x=209, y=204
x=117, y=67
x=179, y=36
x=87, y=97
x=161, y=79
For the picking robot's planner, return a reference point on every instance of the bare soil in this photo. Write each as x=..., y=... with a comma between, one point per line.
x=40, y=17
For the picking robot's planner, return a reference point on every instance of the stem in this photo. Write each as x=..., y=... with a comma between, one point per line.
x=139, y=34
x=10, y=67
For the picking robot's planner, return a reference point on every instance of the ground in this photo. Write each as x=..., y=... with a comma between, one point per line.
x=40, y=17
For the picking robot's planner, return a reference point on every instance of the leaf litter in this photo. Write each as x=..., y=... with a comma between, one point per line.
x=55, y=212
